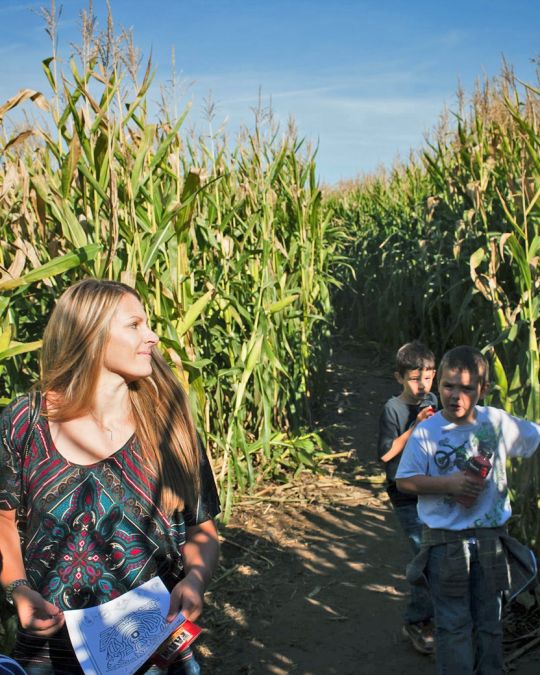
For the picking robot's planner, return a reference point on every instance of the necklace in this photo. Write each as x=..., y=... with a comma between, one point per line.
x=103, y=426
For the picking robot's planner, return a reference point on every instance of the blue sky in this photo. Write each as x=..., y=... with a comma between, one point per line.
x=364, y=80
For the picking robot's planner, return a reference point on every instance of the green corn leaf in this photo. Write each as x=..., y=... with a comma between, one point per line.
x=190, y=189
x=252, y=359
x=165, y=144
x=71, y=227
x=54, y=267
x=5, y=338
x=46, y=65
x=500, y=380
x=68, y=169
x=157, y=244
x=92, y=180
x=17, y=348
x=144, y=147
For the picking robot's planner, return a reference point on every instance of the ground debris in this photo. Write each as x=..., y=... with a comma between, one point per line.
x=521, y=623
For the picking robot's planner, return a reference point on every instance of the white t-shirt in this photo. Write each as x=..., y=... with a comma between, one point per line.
x=439, y=448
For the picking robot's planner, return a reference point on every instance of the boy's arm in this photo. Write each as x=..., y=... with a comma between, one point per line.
x=456, y=484
x=414, y=476
x=397, y=446
x=400, y=441
x=521, y=437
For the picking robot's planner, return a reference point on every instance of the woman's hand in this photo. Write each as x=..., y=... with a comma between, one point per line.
x=36, y=615
x=187, y=597
x=200, y=554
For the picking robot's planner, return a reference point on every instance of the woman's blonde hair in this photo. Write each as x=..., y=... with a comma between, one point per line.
x=73, y=352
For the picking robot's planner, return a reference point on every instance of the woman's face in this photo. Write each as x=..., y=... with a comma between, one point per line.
x=129, y=350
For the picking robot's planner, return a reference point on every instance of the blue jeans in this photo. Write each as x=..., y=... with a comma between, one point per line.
x=186, y=667
x=468, y=629
x=419, y=606
x=190, y=667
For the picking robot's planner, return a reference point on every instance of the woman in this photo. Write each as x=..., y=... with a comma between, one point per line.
x=113, y=486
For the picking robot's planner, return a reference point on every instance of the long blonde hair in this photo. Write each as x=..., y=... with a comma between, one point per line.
x=73, y=351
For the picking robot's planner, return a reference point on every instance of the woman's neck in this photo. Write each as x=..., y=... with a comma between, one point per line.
x=112, y=404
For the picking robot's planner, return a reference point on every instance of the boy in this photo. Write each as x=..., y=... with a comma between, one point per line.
x=465, y=549
x=415, y=369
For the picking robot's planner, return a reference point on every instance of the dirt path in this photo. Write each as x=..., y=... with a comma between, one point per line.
x=311, y=579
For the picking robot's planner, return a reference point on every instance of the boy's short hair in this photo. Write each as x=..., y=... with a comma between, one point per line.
x=414, y=356
x=466, y=358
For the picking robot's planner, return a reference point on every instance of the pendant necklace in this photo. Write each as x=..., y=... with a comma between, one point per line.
x=103, y=426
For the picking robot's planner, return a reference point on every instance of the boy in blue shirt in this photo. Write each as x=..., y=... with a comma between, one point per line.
x=465, y=548
x=415, y=370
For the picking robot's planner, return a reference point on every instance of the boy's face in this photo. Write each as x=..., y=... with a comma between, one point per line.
x=460, y=391
x=416, y=384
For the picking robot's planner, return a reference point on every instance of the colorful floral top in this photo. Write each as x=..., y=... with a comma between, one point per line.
x=92, y=532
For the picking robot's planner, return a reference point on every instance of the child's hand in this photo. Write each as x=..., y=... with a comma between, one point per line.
x=424, y=414
x=462, y=484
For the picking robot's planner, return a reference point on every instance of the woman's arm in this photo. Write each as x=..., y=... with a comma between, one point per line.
x=10, y=548
x=200, y=554
x=36, y=615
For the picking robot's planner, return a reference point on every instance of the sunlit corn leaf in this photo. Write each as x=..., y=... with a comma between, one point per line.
x=16, y=348
x=53, y=268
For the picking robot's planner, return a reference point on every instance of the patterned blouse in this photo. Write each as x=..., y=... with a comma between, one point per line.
x=92, y=532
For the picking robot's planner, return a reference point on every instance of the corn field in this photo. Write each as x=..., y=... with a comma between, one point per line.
x=231, y=251
x=447, y=249
x=245, y=268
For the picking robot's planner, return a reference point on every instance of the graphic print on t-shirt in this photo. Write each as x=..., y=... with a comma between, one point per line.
x=452, y=454
x=448, y=456
x=493, y=431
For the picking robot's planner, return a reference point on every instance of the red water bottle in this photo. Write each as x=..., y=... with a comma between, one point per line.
x=427, y=402
x=478, y=467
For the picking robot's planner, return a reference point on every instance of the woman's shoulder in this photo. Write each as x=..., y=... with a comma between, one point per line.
x=16, y=415
x=16, y=407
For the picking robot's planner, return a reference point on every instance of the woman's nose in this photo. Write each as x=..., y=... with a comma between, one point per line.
x=152, y=337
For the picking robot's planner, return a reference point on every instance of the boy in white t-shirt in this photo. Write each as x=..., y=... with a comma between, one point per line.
x=464, y=546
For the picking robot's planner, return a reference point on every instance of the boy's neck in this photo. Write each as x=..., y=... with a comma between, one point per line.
x=462, y=422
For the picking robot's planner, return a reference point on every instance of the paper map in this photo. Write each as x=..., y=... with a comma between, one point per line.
x=117, y=637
